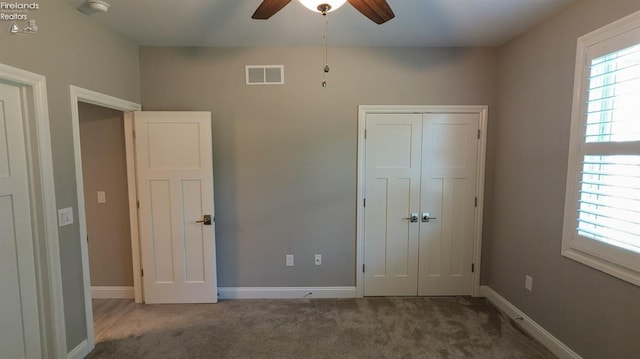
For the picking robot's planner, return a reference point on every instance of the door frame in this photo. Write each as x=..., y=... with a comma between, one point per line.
x=33, y=93
x=79, y=94
x=363, y=110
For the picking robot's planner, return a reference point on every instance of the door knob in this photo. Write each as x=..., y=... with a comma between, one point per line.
x=206, y=220
x=413, y=218
x=426, y=218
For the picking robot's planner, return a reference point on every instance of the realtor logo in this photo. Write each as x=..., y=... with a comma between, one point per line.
x=17, y=13
x=29, y=28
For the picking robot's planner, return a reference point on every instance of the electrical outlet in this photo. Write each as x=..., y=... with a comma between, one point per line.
x=318, y=259
x=289, y=260
x=528, y=283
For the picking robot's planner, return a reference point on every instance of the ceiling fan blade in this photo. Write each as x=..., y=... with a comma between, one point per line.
x=268, y=8
x=376, y=10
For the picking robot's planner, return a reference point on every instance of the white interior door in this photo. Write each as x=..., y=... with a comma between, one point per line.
x=175, y=190
x=423, y=165
x=19, y=329
x=449, y=171
x=393, y=163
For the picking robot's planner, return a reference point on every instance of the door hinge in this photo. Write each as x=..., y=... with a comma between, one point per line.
x=473, y=267
x=365, y=134
x=141, y=272
x=364, y=202
x=478, y=134
x=476, y=202
x=138, y=204
x=363, y=268
x=134, y=134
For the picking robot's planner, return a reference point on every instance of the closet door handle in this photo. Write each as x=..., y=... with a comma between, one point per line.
x=426, y=218
x=206, y=220
x=413, y=218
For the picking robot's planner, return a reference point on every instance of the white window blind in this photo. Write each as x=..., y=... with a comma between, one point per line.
x=609, y=205
x=613, y=108
x=602, y=205
x=609, y=208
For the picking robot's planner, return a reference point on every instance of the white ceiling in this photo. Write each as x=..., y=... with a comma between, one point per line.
x=228, y=23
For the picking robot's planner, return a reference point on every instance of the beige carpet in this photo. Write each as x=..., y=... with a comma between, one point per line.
x=435, y=327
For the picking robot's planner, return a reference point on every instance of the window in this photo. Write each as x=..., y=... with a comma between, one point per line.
x=602, y=209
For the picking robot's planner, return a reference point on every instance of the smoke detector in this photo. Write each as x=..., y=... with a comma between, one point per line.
x=98, y=5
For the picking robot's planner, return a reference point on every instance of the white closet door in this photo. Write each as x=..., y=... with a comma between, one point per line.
x=393, y=162
x=424, y=164
x=449, y=171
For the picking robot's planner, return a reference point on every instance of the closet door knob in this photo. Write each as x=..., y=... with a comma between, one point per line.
x=426, y=218
x=413, y=218
x=206, y=220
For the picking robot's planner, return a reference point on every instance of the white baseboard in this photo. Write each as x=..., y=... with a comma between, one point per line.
x=105, y=292
x=285, y=292
x=81, y=351
x=543, y=336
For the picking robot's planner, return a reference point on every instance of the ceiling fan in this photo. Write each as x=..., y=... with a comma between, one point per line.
x=377, y=11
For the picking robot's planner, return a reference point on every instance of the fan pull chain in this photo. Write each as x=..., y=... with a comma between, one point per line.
x=326, y=48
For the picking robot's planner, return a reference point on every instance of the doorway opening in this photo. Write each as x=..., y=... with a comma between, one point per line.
x=104, y=170
x=84, y=99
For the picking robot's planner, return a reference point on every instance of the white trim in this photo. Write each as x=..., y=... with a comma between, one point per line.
x=50, y=272
x=609, y=259
x=363, y=110
x=132, y=192
x=623, y=25
x=362, y=115
x=285, y=292
x=112, y=292
x=542, y=335
x=80, y=351
x=480, y=182
x=600, y=264
x=96, y=98
x=99, y=99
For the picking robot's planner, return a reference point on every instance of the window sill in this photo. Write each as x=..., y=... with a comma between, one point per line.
x=602, y=265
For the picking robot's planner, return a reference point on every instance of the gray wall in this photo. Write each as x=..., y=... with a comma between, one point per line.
x=70, y=48
x=285, y=155
x=104, y=168
x=593, y=313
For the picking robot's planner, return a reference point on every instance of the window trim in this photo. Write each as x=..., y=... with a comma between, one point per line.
x=601, y=256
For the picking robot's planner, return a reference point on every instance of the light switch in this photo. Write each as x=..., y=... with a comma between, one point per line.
x=528, y=283
x=102, y=197
x=65, y=216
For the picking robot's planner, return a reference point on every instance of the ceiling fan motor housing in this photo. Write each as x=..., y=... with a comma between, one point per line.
x=324, y=8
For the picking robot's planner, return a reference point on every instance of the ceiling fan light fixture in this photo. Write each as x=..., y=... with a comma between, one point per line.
x=318, y=5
